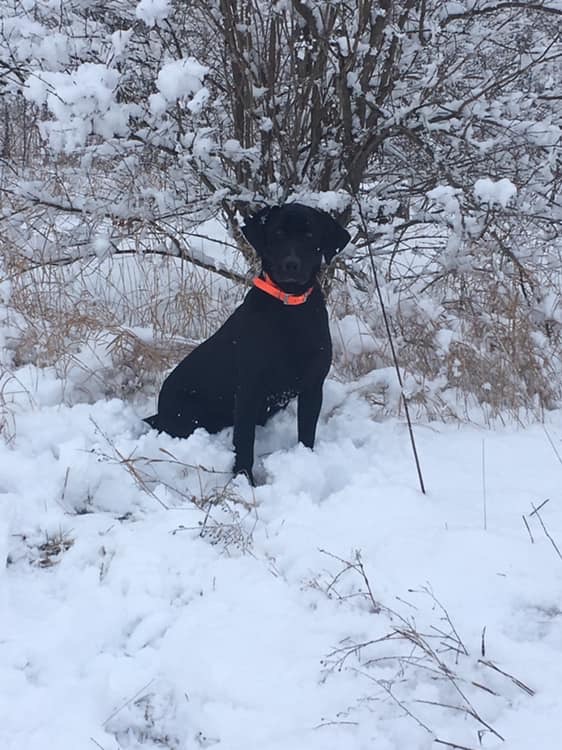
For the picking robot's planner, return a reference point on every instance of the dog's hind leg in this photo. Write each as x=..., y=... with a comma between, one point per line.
x=181, y=418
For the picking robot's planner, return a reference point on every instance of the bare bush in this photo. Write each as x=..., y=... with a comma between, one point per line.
x=431, y=130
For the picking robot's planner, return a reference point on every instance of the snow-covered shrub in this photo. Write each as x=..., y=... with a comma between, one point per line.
x=479, y=339
x=431, y=129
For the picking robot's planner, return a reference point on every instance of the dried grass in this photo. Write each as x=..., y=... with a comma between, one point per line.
x=46, y=553
x=225, y=518
x=123, y=322
x=415, y=664
x=471, y=345
x=475, y=343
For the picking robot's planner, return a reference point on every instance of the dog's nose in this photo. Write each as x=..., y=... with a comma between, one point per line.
x=292, y=265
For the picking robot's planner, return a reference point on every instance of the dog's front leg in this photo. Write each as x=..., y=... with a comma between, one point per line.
x=245, y=412
x=308, y=410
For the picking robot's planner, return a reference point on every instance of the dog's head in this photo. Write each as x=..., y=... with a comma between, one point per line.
x=291, y=241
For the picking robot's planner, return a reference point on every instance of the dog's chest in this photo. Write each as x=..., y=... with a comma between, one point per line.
x=295, y=347
x=279, y=345
x=295, y=352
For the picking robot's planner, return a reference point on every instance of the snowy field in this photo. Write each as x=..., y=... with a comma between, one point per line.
x=148, y=600
x=334, y=607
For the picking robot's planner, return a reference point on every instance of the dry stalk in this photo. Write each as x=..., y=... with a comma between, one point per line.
x=47, y=553
x=528, y=529
x=467, y=712
x=477, y=346
x=86, y=317
x=128, y=702
x=52, y=549
x=552, y=445
x=222, y=522
x=225, y=512
x=439, y=652
x=387, y=687
x=537, y=515
x=539, y=507
x=454, y=745
x=357, y=567
x=519, y=683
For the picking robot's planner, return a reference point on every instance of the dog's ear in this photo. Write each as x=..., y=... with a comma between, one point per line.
x=254, y=228
x=334, y=236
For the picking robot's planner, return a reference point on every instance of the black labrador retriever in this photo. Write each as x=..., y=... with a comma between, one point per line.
x=275, y=346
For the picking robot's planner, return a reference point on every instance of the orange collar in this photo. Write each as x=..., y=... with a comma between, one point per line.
x=270, y=287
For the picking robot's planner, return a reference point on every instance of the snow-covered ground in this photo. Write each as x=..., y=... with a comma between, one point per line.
x=334, y=607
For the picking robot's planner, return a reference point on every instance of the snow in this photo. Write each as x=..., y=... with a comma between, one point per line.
x=152, y=11
x=328, y=200
x=180, y=78
x=352, y=336
x=447, y=197
x=500, y=192
x=120, y=40
x=155, y=619
x=82, y=102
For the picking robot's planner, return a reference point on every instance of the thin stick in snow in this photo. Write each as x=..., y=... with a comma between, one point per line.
x=127, y=702
x=548, y=536
x=336, y=723
x=453, y=744
x=392, y=348
x=484, y=493
x=551, y=441
x=468, y=712
x=536, y=510
x=519, y=683
x=386, y=686
x=528, y=529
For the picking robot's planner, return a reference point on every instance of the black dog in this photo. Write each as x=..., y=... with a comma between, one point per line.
x=275, y=346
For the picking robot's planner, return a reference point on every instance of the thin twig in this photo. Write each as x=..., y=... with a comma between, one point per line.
x=336, y=723
x=174, y=460
x=548, y=536
x=466, y=711
x=127, y=702
x=552, y=445
x=388, y=690
x=484, y=493
x=357, y=566
x=429, y=591
x=536, y=510
x=392, y=349
x=485, y=688
x=528, y=529
x=517, y=682
x=128, y=463
x=453, y=744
